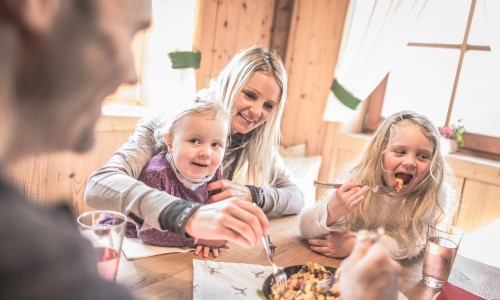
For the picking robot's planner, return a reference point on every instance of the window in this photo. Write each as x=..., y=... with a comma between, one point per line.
x=448, y=71
x=160, y=87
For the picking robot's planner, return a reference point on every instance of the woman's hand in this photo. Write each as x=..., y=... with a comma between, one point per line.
x=207, y=246
x=344, y=200
x=369, y=272
x=234, y=220
x=334, y=244
x=227, y=190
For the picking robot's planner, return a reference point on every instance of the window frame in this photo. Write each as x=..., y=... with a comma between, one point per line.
x=474, y=144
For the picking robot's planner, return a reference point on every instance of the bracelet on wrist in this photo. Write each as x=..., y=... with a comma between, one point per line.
x=257, y=195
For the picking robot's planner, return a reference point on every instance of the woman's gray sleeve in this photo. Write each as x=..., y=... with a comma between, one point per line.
x=284, y=197
x=114, y=186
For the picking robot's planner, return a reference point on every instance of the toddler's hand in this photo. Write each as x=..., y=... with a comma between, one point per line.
x=344, y=200
x=207, y=246
x=227, y=189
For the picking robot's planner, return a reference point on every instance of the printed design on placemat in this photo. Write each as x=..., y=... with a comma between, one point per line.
x=259, y=274
x=218, y=280
x=239, y=291
x=213, y=270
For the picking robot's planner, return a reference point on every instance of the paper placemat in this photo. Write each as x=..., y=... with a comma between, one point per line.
x=134, y=248
x=220, y=280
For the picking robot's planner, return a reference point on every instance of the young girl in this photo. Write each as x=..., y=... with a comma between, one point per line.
x=405, y=146
x=196, y=141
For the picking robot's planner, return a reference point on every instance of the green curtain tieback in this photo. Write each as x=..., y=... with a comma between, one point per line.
x=185, y=59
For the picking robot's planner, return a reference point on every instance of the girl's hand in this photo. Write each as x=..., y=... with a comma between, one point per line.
x=334, y=244
x=344, y=200
x=207, y=246
x=229, y=189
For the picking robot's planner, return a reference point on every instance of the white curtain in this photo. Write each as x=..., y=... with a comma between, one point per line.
x=492, y=12
x=165, y=89
x=375, y=32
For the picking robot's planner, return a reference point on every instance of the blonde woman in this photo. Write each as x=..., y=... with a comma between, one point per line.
x=405, y=146
x=253, y=87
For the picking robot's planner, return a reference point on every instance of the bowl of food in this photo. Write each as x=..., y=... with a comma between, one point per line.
x=303, y=281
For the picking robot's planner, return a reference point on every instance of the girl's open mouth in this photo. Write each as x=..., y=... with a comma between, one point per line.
x=405, y=177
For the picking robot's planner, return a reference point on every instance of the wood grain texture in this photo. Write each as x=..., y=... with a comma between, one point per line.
x=224, y=27
x=480, y=205
x=280, y=30
x=49, y=178
x=171, y=276
x=313, y=46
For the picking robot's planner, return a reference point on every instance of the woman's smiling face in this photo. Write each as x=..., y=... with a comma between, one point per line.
x=255, y=102
x=408, y=156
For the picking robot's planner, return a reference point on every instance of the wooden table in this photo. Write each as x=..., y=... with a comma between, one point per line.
x=171, y=276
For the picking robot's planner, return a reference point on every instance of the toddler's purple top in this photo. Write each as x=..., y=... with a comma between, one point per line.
x=159, y=174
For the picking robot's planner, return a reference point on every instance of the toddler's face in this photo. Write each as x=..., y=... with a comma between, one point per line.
x=198, y=145
x=408, y=156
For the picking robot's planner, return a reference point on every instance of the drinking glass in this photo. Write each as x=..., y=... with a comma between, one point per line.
x=105, y=230
x=440, y=251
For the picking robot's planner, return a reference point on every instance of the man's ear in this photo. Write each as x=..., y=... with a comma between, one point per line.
x=169, y=140
x=35, y=16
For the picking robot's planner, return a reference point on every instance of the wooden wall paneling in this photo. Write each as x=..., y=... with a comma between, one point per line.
x=49, y=178
x=296, y=60
x=253, y=26
x=225, y=35
x=226, y=27
x=480, y=205
x=26, y=174
x=310, y=60
x=469, y=167
x=458, y=184
x=283, y=12
x=205, y=31
x=330, y=133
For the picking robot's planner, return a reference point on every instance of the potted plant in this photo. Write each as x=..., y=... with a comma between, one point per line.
x=452, y=138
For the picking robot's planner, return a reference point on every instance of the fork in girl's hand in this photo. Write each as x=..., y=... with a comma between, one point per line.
x=375, y=189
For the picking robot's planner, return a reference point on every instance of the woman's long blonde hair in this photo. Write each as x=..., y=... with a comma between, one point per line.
x=422, y=201
x=260, y=151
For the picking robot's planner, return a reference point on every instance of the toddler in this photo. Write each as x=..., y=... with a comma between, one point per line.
x=195, y=140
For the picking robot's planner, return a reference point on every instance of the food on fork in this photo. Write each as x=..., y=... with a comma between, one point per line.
x=398, y=185
x=306, y=284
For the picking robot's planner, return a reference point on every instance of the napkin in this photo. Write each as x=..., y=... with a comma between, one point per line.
x=220, y=280
x=134, y=248
x=451, y=292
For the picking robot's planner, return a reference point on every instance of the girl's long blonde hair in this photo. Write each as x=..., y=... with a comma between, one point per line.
x=422, y=201
x=258, y=154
